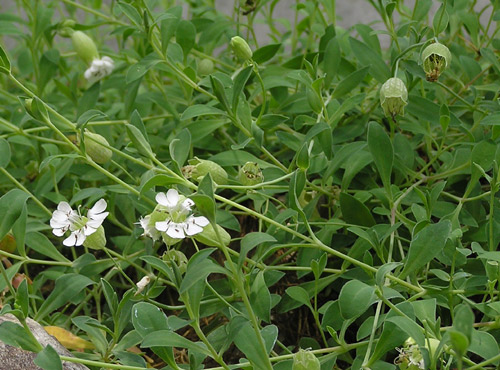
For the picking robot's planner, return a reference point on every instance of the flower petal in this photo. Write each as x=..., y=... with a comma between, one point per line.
x=191, y=228
x=161, y=199
x=80, y=237
x=59, y=231
x=99, y=207
x=70, y=240
x=172, y=197
x=162, y=225
x=64, y=207
x=201, y=221
x=176, y=230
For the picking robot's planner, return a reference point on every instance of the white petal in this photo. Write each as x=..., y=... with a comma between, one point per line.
x=161, y=199
x=99, y=207
x=201, y=221
x=58, y=231
x=99, y=217
x=88, y=74
x=108, y=60
x=80, y=237
x=70, y=240
x=172, y=197
x=162, y=225
x=191, y=228
x=187, y=204
x=94, y=223
x=176, y=230
x=64, y=207
x=60, y=216
x=59, y=224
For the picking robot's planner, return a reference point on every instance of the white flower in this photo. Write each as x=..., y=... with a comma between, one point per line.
x=65, y=218
x=142, y=284
x=172, y=216
x=149, y=228
x=99, y=68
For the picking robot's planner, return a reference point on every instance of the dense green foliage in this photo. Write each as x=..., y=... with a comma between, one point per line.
x=262, y=198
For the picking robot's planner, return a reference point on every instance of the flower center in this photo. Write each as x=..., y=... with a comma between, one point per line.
x=77, y=222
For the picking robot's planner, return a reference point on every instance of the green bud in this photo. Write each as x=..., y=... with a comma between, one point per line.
x=95, y=149
x=198, y=168
x=97, y=240
x=205, y=67
x=250, y=174
x=65, y=28
x=435, y=58
x=84, y=47
x=209, y=237
x=393, y=97
x=8, y=243
x=177, y=257
x=305, y=360
x=28, y=106
x=241, y=48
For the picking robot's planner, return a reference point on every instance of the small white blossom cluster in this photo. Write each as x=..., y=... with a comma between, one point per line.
x=410, y=355
x=99, y=69
x=64, y=218
x=173, y=217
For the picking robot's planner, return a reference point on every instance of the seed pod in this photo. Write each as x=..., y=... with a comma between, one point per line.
x=250, y=174
x=96, y=240
x=241, y=49
x=435, y=58
x=8, y=243
x=95, y=149
x=198, y=168
x=492, y=270
x=305, y=360
x=393, y=97
x=84, y=46
x=209, y=237
x=205, y=67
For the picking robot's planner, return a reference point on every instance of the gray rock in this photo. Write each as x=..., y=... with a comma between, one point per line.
x=13, y=358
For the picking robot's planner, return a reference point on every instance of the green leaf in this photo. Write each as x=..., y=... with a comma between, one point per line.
x=463, y=320
x=239, y=84
x=95, y=330
x=88, y=101
x=349, y=83
x=138, y=70
x=491, y=119
x=160, y=180
x=11, y=206
x=247, y=342
x=148, y=319
x=410, y=327
x=440, y=20
x=90, y=115
x=131, y=13
x=355, y=298
x=384, y=270
x=168, y=26
x=204, y=203
x=484, y=345
x=110, y=295
x=66, y=288
x=139, y=141
x=220, y=93
x=48, y=359
x=331, y=60
x=355, y=212
x=185, y=35
x=265, y=53
x=426, y=245
x=15, y=335
x=300, y=295
x=4, y=61
x=260, y=298
x=168, y=338
x=369, y=57
x=4, y=153
x=250, y=241
x=383, y=154
x=198, y=268
x=22, y=301
x=180, y=147
x=199, y=110
x=40, y=243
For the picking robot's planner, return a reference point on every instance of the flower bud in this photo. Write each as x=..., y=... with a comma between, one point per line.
x=142, y=284
x=96, y=240
x=205, y=67
x=241, y=48
x=250, y=174
x=95, y=149
x=305, y=360
x=65, y=28
x=393, y=97
x=84, y=47
x=435, y=58
x=209, y=237
x=8, y=243
x=198, y=168
x=177, y=257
